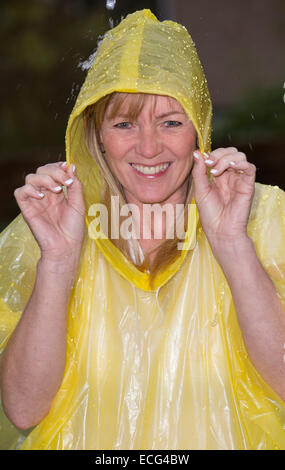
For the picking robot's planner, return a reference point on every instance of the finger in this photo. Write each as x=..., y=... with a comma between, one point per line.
x=220, y=152
x=52, y=183
x=75, y=195
x=57, y=171
x=227, y=161
x=211, y=159
x=62, y=172
x=26, y=192
x=244, y=169
x=67, y=167
x=200, y=176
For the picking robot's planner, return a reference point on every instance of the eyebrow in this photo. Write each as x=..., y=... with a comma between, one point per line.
x=160, y=116
x=169, y=114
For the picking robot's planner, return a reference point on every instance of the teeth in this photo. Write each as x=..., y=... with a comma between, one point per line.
x=150, y=170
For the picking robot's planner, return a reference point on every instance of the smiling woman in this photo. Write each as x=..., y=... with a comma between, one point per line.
x=132, y=342
x=148, y=143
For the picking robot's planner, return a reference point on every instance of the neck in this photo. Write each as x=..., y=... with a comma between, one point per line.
x=156, y=221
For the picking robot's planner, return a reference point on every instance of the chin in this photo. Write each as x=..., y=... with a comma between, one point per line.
x=155, y=199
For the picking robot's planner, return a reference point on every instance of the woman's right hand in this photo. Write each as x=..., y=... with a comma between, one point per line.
x=56, y=222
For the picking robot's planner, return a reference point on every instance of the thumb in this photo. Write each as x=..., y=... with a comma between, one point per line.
x=200, y=176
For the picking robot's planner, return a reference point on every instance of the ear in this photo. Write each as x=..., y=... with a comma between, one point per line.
x=102, y=148
x=100, y=141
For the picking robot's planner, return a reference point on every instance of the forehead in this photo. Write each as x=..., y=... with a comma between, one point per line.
x=132, y=104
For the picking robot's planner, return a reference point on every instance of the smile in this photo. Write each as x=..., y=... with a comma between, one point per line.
x=151, y=170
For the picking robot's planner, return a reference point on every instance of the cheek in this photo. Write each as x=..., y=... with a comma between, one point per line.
x=185, y=151
x=115, y=147
x=115, y=157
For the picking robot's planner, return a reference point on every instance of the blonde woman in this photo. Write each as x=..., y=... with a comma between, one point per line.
x=144, y=342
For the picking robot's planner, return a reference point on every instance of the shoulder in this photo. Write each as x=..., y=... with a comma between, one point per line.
x=266, y=224
x=268, y=201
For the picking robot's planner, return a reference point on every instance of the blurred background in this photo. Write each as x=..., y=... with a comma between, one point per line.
x=44, y=43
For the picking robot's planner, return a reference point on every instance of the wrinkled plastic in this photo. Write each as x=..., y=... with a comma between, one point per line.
x=162, y=368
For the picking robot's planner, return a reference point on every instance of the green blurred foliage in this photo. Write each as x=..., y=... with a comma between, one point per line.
x=42, y=43
x=259, y=117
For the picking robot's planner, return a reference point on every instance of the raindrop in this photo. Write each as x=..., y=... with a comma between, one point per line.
x=87, y=64
x=110, y=4
x=214, y=322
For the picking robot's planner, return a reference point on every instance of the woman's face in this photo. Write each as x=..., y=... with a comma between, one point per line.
x=153, y=155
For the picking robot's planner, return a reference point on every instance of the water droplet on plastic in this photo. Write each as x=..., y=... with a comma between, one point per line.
x=110, y=4
x=214, y=322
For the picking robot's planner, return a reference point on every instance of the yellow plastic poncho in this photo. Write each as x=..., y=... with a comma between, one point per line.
x=162, y=368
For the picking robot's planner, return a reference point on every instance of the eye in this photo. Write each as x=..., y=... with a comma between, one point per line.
x=172, y=123
x=123, y=125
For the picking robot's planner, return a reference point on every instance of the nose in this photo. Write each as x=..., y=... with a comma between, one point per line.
x=149, y=144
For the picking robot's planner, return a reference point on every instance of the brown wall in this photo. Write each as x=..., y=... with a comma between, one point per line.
x=241, y=43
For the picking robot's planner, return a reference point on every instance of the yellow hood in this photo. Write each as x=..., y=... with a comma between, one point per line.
x=141, y=55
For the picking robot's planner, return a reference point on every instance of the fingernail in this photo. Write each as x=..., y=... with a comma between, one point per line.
x=213, y=171
x=73, y=167
x=57, y=189
x=64, y=164
x=206, y=155
x=195, y=155
x=41, y=194
x=68, y=182
x=209, y=162
x=232, y=163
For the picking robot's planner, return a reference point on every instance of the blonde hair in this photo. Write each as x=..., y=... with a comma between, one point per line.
x=93, y=118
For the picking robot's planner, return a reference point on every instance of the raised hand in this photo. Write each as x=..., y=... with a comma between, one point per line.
x=56, y=221
x=224, y=200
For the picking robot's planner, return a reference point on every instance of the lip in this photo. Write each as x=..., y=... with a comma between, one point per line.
x=156, y=175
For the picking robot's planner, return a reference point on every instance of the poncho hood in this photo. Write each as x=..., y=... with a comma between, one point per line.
x=140, y=55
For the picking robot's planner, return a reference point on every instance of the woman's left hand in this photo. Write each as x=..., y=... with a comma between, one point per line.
x=224, y=201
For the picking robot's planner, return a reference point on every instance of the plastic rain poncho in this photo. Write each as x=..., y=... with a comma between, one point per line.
x=162, y=367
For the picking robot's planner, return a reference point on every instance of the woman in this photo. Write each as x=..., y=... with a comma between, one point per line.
x=132, y=342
